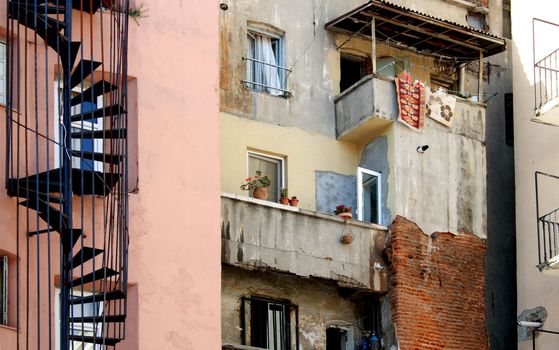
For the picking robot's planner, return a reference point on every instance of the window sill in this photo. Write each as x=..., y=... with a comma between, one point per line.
x=285, y=95
x=9, y=328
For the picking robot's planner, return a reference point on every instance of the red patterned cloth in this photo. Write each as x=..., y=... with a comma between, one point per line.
x=411, y=102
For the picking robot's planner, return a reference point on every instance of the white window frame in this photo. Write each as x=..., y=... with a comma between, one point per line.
x=348, y=328
x=360, y=204
x=265, y=156
x=4, y=291
x=283, y=71
x=82, y=125
x=88, y=327
x=3, y=73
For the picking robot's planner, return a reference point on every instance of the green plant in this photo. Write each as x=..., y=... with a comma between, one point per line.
x=342, y=209
x=258, y=180
x=284, y=193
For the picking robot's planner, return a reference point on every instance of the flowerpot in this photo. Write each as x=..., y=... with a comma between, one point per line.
x=347, y=238
x=284, y=200
x=345, y=215
x=260, y=193
x=293, y=202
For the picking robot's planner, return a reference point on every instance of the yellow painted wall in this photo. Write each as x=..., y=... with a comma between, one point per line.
x=305, y=153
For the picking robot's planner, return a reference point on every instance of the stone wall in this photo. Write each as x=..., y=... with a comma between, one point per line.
x=437, y=289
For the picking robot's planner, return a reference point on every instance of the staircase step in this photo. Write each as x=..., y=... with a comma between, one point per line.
x=97, y=275
x=24, y=192
x=89, y=6
x=94, y=182
x=84, y=255
x=34, y=233
x=70, y=238
x=100, y=297
x=100, y=157
x=100, y=134
x=98, y=319
x=53, y=217
x=50, y=34
x=90, y=94
x=42, y=7
x=95, y=340
x=83, y=70
x=99, y=113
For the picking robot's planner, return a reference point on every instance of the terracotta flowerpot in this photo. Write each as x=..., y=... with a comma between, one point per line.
x=260, y=193
x=345, y=215
x=284, y=200
x=347, y=238
x=293, y=202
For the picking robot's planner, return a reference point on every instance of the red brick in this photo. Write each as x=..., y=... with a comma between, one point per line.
x=437, y=288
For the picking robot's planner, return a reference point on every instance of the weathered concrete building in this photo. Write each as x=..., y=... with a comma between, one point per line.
x=308, y=97
x=536, y=117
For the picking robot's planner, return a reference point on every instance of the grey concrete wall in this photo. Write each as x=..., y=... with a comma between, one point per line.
x=501, y=230
x=261, y=235
x=444, y=189
x=320, y=304
x=370, y=98
x=375, y=157
x=333, y=189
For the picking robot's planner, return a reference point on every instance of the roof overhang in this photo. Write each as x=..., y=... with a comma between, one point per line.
x=402, y=27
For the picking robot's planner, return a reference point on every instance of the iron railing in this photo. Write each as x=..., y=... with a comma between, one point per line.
x=258, y=81
x=547, y=227
x=546, y=75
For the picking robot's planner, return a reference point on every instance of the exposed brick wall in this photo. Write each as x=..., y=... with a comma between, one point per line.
x=437, y=288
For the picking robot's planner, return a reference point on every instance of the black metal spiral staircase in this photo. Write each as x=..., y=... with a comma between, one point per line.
x=83, y=196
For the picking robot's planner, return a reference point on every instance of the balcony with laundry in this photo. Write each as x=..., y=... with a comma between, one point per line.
x=383, y=46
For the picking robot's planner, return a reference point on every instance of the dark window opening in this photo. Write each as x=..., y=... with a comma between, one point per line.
x=269, y=323
x=372, y=319
x=352, y=69
x=336, y=338
x=509, y=120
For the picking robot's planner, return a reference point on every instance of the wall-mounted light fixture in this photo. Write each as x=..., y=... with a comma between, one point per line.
x=422, y=149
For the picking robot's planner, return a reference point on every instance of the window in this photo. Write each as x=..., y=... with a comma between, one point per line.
x=509, y=120
x=80, y=328
x=353, y=68
x=85, y=144
x=368, y=195
x=268, y=165
x=265, y=69
x=339, y=337
x=3, y=80
x=391, y=67
x=267, y=323
x=4, y=289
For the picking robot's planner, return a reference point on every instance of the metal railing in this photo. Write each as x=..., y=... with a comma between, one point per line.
x=546, y=75
x=548, y=228
x=261, y=73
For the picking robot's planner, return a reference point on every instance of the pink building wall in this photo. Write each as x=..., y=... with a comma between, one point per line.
x=174, y=298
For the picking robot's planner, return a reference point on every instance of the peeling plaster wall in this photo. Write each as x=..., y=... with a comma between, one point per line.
x=444, y=189
x=320, y=304
x=333, y=189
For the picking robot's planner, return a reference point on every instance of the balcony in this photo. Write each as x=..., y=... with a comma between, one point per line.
x=261, y=235
x=548, y=223
x=365, y=109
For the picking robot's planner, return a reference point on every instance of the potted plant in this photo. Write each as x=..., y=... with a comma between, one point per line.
x=284, y=198
x=293, y=201
x=258, y=185
x=344, y=212
x=346, y=238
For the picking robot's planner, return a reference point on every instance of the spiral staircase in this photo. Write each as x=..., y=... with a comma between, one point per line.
x=67, y=167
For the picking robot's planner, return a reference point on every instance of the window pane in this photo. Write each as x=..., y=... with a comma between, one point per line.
x=270, y=167
x=370, y=198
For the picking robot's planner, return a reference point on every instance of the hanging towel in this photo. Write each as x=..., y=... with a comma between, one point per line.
x=411, y=102
x=440, y=106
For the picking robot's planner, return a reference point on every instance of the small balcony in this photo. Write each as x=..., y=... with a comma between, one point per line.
x=261, y=235
x=365, y=109
x=547, y=211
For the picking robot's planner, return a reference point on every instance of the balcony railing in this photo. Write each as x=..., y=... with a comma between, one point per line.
x=266, y=77
x=548, y=225
x=546, y=69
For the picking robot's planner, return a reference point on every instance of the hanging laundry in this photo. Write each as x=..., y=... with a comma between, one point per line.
x=440, y=106
x=411, y=102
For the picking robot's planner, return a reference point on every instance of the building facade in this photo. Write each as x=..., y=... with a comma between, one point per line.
x=122, y=98
x=535, y=136
x=308, y=97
